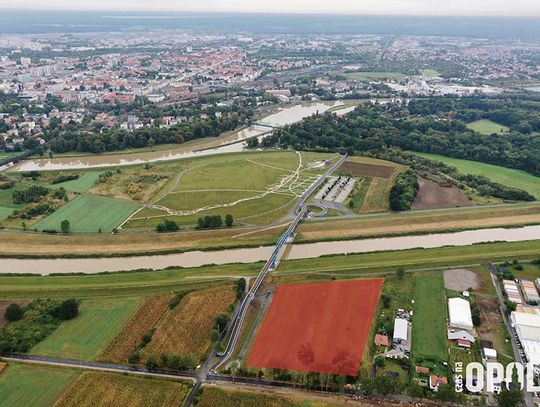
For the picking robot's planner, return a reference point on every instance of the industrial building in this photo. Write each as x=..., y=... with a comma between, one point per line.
x=526, y=323
x=529, y=291
x=512, y=291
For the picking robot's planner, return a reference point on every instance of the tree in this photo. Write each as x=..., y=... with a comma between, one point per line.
x=400, y=273
x=134, y=358
x=510, y=398
x=68, y=309
x=65, y=226
x=240, y=287
x=475, y=313
x=167, y=226
x=151, y=363
x=229, y=220
x=14, y=312
x=510, y=305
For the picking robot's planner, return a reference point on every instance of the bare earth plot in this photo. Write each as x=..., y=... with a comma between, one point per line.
x=432, y=196
x=461, y=279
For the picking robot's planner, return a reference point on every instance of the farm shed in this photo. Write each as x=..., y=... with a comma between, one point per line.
x=460, y=313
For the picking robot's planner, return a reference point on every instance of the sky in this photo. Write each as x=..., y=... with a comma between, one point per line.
x=526, y=8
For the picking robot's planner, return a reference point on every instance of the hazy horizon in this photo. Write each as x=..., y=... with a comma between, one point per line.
x=478, y=8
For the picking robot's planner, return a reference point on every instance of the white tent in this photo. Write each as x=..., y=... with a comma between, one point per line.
x=460, y=313
x=400, y=330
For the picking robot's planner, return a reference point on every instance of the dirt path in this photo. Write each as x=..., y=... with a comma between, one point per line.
x=461, y=279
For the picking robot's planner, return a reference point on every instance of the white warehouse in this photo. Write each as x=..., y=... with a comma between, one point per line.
x=460, y=313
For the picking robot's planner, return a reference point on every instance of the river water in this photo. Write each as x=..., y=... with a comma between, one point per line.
x=229, y=143
x=301, y=251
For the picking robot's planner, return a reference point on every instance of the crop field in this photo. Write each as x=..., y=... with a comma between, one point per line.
x=245, y=186
x=373, y=76
x=37, y=386
x=429, y=325
x=487, y=127
x=317, y=327
x=505, y=176
x=87, y=335
x=93, y=389
x=81, y=184
x=186, y=328
x=89, y=214
x=368, y=167
x=215, y=396
x=144, y=319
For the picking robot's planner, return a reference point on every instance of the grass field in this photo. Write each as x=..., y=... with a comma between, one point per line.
x=86, y=336
x=373, y=76
x=93, y=389
x=140, y=324
x=487, y=127
x=215, y=396
x=505, y=176
x=37, y=386
x=81, y=184
x=89, y=214
x=186, y=328
x=429, y=324
x=5, y=212
x=431, y=73
x=246, y=186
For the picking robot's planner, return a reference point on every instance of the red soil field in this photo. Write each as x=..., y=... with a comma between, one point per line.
x=317, y=327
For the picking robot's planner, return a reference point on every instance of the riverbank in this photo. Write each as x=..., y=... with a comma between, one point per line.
x=251, y=255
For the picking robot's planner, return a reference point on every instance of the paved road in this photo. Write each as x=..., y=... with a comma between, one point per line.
x=410, y=212
x=528, y=397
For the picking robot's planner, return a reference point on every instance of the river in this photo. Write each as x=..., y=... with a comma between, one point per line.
x=300, y=251
x=227, y=143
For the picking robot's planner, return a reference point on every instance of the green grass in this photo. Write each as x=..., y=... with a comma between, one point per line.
x=36, y=386
x=429, y=323
x=373, y=76
x=432, y=73
x=89, y=214
x=505, y=176
x=5, y=212
x=81, y=184
x=487, y=127
x=87, y=335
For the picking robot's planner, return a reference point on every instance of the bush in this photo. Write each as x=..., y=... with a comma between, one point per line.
x=134, y=358
x=210, y=222
x=167, y=226
x=68, y=309
x=14, y=312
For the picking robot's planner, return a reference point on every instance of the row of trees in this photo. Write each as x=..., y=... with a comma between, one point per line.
x=372, y=129
x=214, y=221
x=404, y=191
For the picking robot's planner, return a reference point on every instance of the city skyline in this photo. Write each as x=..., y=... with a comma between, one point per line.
x=502, y=8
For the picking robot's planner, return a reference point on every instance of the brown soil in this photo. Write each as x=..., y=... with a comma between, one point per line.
x=461, y=279
x=432, y=196
x=7, y=303
x=366, y=170
x=492, y=322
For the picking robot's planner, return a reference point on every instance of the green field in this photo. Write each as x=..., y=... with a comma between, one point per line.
x=373, y=76
x=429, y=323
x=81, y=184
x=36, y=386
x=256, y=188
x=487, y=127
x=89, y=214
x=87, y=335
x=432, y=73
x=5, y=212
x=505, y=176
